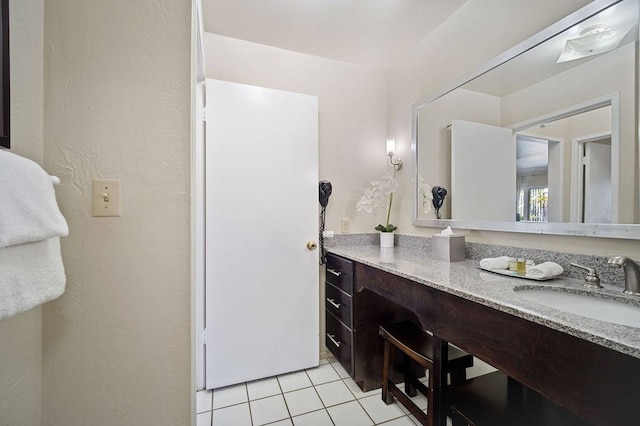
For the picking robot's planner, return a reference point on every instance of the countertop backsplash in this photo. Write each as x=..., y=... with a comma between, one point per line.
x=478, y=251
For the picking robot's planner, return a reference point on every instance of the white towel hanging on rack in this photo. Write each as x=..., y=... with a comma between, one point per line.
x=28, y=208
x=31, y=268
x=30, y=274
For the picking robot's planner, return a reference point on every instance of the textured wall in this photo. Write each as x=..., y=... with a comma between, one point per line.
x=116, y=347
x=21, y=336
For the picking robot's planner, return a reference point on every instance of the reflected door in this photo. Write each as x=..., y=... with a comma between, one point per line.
x=483, y=172
x=597, y=182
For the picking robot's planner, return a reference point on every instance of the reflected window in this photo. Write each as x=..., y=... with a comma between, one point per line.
x=533, y=205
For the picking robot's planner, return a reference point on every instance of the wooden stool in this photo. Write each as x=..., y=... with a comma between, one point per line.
x=417, y=345
x=496, y=400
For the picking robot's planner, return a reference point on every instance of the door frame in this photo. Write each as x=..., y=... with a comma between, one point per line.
x=612, y=100
x=557, y=166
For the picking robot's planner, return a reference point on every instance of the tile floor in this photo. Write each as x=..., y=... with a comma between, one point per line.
x=324, y=395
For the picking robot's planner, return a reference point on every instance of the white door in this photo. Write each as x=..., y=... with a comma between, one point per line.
x=483, y=172
x=262, y=295
x=597, y=182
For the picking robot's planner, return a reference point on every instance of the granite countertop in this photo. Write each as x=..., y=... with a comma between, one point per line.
x=466, y=280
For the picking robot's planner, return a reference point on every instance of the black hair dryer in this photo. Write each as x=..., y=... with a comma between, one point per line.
x=325, y=192
x=439, y=193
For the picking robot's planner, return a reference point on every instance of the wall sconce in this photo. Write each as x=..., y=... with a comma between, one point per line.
x=391, y=150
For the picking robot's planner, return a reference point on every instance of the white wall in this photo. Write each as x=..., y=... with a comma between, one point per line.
x=352, y=114
x=21, y=335
x=455, y=48
x=352, y=119
x=116, y=347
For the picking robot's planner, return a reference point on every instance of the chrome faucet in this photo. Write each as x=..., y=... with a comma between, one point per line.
x=631, y=274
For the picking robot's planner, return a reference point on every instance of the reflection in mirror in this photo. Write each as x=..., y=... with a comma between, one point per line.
x=541, y=164
x=540, y=139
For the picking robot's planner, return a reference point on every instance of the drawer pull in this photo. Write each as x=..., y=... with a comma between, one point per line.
x=333, y=303
x=334, y=272
x=333, y=339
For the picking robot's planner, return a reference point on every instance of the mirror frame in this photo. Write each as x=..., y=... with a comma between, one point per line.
x=5, y=87
x=621, y=231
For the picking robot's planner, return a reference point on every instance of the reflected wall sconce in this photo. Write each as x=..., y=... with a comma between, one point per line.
x=391, y=151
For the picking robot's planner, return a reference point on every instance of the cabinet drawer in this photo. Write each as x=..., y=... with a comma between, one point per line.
x=339, y=340
x=338, y=303
x=340, y=273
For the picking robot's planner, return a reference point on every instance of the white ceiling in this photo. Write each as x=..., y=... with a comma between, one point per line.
x=373, y=33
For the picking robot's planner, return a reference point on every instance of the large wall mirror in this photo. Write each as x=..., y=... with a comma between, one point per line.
x=543, y=138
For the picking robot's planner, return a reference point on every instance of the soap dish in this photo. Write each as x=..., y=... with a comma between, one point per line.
x=515, y=274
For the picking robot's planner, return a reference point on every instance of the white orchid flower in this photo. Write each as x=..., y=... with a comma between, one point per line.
x=374, y=195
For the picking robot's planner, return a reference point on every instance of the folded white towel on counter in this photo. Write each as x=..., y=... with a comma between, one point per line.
x=30, y=274
x=492, y=263
x=28, y=208
x=545, y=270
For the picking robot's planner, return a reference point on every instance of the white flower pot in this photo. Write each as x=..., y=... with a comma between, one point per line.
x=386, y=239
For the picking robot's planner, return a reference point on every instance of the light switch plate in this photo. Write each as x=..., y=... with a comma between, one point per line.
x=106, y=197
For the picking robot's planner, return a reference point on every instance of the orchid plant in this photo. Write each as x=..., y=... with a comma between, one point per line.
x=374, y=196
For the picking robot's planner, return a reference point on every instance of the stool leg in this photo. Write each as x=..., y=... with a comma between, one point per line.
x=387, y=397
x=458, y=376
x=409, y=387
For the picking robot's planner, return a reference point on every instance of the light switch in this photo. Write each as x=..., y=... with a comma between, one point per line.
x=106, y=197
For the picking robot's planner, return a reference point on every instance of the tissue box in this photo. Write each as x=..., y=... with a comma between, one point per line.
x=448, y=247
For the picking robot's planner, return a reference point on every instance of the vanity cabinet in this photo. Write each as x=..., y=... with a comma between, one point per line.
x=339, y=312
x=353, y=315
x=600, y=384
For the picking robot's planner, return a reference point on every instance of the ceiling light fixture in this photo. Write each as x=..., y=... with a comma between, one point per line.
x=593, y=40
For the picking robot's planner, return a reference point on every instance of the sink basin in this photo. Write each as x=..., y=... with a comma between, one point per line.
x=586, y=304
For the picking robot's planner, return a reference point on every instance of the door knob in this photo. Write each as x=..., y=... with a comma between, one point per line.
x=312, y=245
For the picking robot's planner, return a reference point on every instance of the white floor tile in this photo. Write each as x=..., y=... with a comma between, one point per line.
x=230, y=395
x=263, y=388
x=379, y=411
x=324, y=361
x=449, y=423
x=340, y=370
x=303, y=401
x=268, y=410
x=204, y=400
x=402, y=421
x=334, y=393
x=420, y=400
x=357, y=392
x=294, y=381
x=286, y=422
x=349, y=414
x=203, y=419
x=316, y=418
x=322, y=374
x=236, y=415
